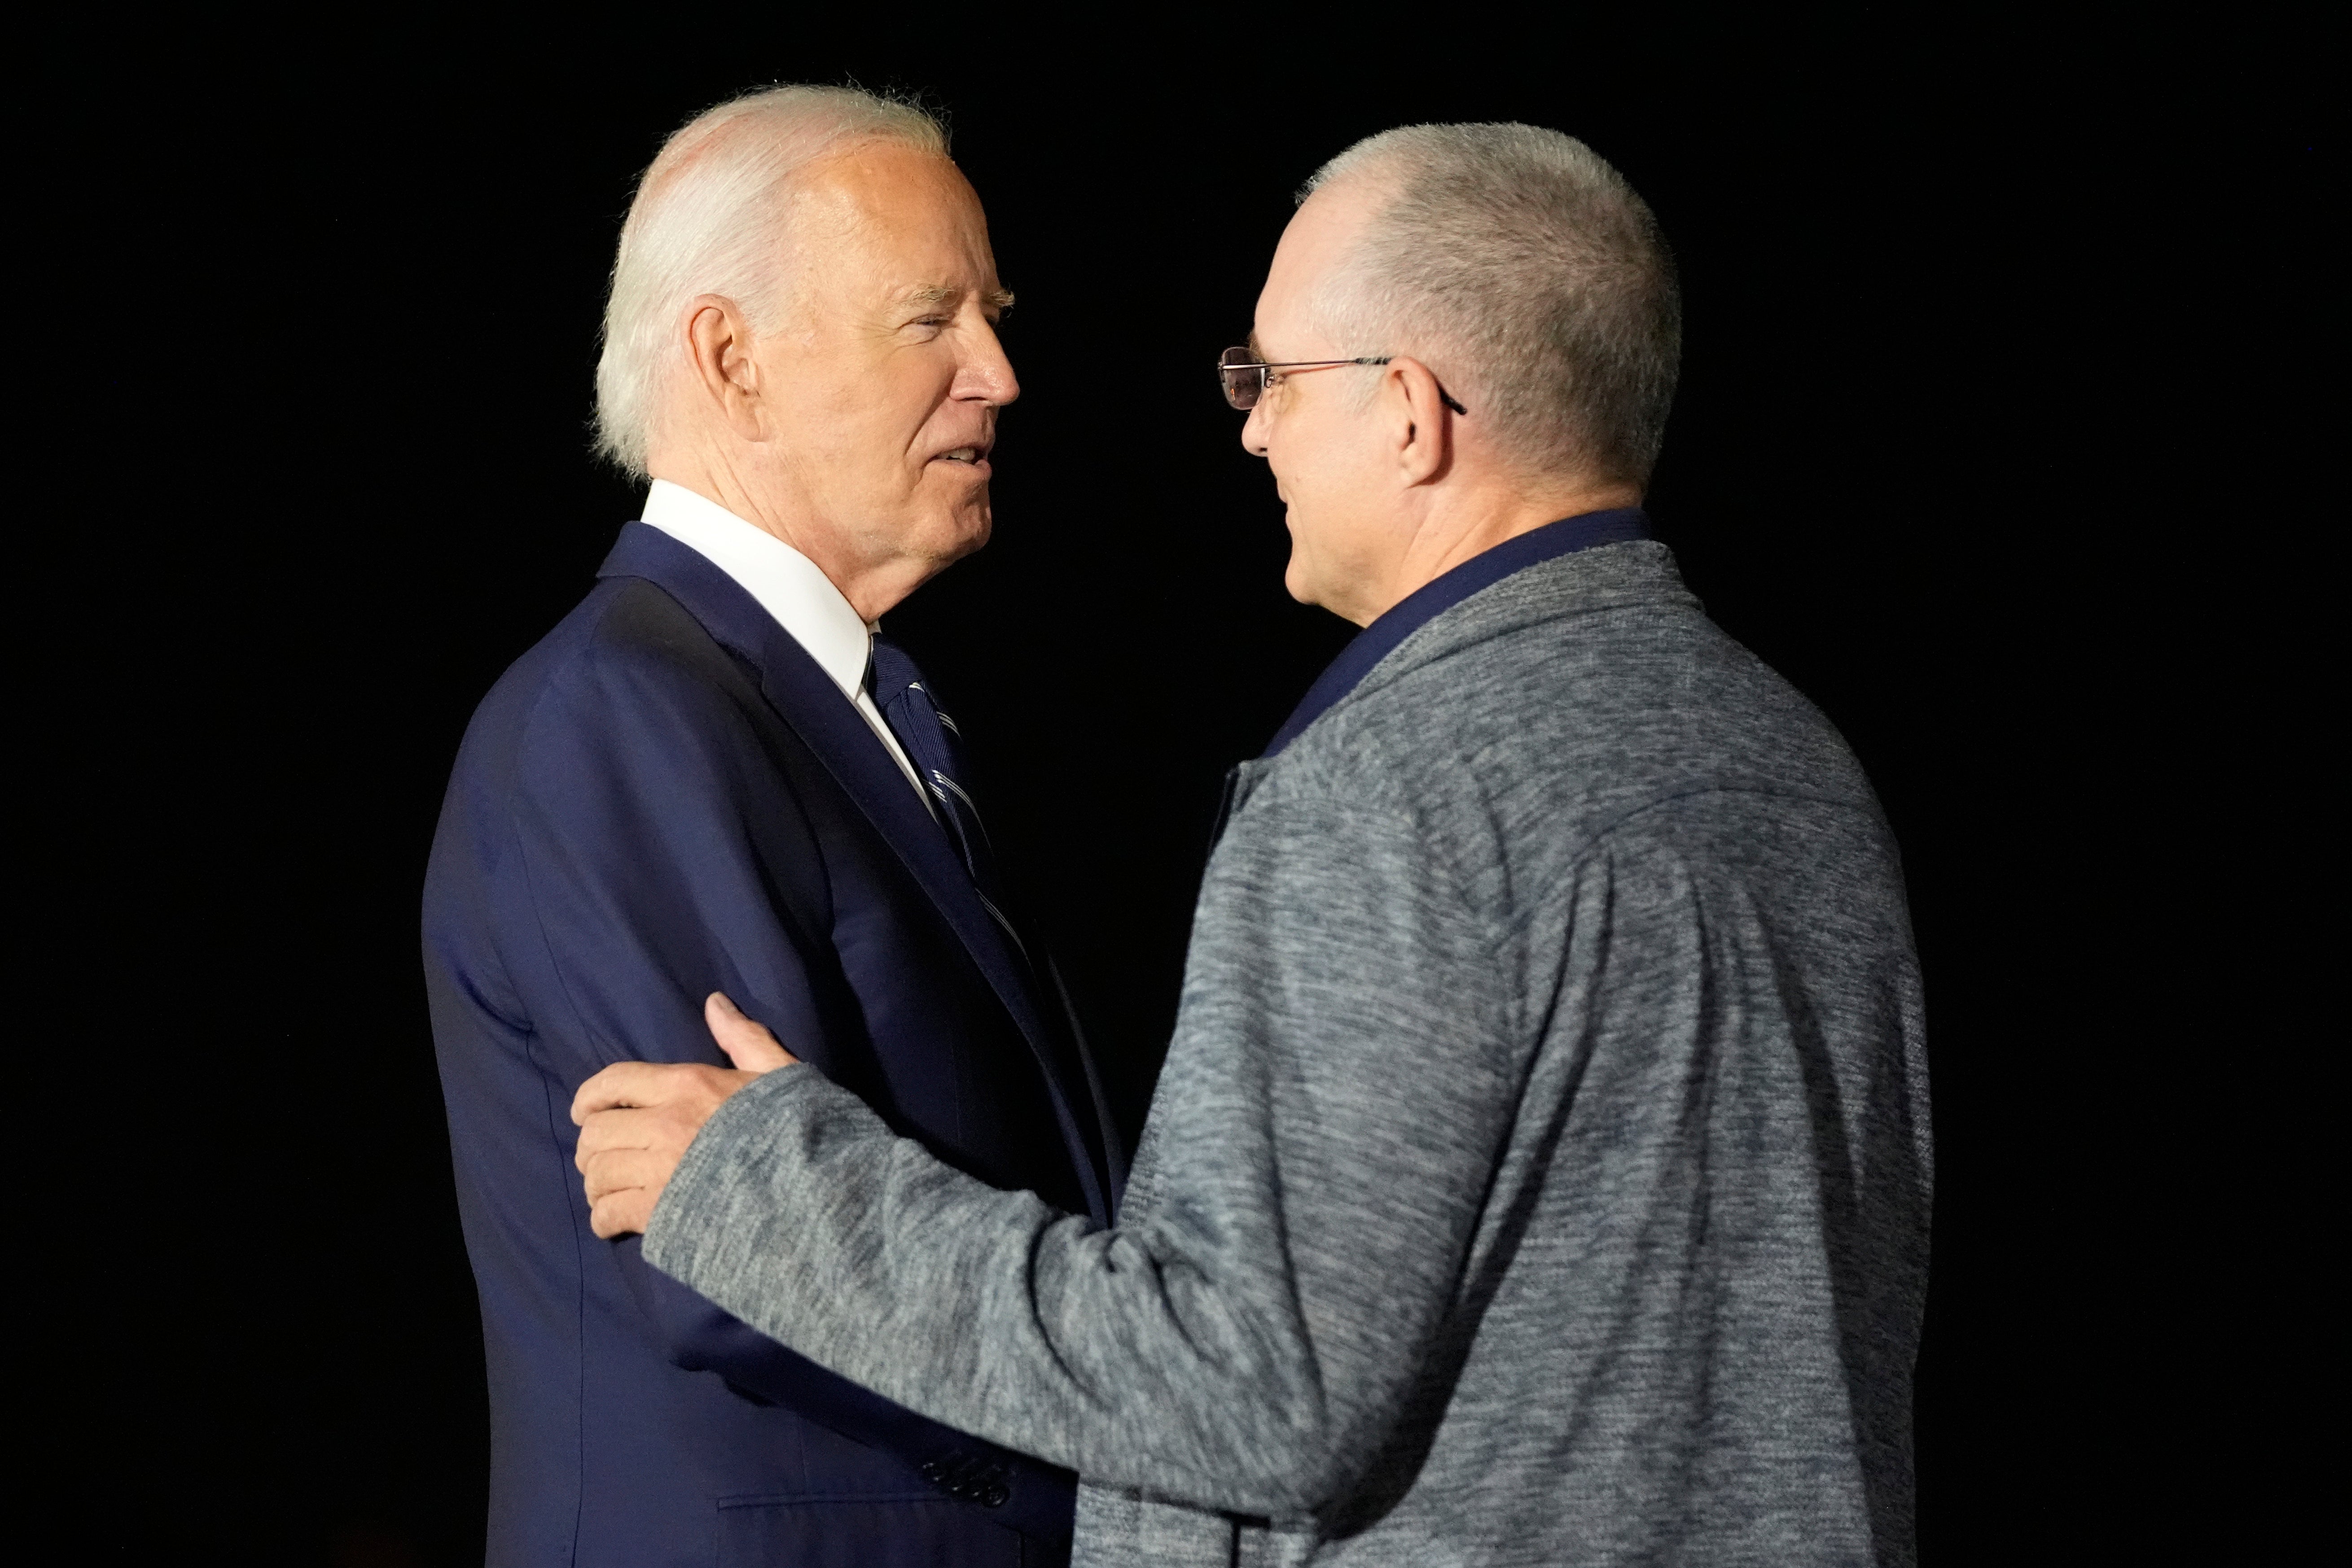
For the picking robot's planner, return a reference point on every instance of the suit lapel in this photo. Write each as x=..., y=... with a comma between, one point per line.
x=805, y=698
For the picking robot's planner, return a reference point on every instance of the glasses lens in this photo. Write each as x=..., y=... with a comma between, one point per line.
x=1243, y=376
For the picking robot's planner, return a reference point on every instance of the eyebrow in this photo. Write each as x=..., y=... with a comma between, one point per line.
x=939, y=294
x=1257, y=350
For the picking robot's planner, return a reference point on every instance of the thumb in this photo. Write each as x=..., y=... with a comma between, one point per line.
x=748, y=1045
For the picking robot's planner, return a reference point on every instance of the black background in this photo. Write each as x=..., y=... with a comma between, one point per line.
x=1986, y=439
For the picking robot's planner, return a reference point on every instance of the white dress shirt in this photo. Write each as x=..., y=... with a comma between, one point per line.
x=790, y=587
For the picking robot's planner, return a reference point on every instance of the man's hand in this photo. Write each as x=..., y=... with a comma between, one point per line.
x=635, y=1118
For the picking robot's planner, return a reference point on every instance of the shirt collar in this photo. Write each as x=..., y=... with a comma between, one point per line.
x=1425, y=604
x=788, y=585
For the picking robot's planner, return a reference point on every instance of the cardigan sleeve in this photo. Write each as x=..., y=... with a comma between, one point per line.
x=1319, y=1153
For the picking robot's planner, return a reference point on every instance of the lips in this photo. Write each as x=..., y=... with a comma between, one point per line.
x=974, y=456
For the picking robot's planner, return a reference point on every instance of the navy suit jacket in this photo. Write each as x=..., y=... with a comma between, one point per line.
x=669, y=797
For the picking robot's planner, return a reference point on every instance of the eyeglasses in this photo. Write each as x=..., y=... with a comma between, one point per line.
x=1246, y=377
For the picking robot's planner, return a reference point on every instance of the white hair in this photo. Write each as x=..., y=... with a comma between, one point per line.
x=708, y=218
x=1532, y=279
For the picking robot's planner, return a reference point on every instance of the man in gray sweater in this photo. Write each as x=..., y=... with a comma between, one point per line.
x=1539, y=1173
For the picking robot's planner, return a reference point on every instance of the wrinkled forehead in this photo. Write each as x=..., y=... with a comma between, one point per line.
x=892, y=220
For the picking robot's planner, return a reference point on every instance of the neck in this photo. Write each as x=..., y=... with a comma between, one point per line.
x=1452, y=528
x=871, y=587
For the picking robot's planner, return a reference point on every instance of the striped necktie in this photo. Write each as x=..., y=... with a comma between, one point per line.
x=936, y=749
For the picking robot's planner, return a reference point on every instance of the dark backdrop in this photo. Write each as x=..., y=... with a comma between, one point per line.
x=1983, y=440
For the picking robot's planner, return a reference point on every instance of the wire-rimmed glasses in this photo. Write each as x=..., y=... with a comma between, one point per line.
x=1246, y=377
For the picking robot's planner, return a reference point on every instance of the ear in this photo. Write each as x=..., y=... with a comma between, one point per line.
x=719, y=343
x=1426, y=425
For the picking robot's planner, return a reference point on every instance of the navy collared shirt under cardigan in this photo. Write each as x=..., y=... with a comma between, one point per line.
x=1433, y=598
x=669, y=797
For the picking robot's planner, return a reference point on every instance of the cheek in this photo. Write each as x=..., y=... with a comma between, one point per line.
x=888, y=423
x=858, y=439
x=1329, y=481
x=1311, y=467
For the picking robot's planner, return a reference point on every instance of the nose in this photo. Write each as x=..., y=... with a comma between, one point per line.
x=985, y=374
x=1254, y=429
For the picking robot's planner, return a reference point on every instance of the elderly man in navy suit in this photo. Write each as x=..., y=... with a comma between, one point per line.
x=713, y=775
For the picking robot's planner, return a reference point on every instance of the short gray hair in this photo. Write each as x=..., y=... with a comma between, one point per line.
x=1532, y=279
x=708, y=219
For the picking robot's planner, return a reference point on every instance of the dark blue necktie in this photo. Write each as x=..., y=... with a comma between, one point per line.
x=934, y=746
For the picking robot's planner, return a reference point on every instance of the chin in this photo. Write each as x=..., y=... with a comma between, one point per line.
x=1293, y=579
x=977, y=534
x=960, y=532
